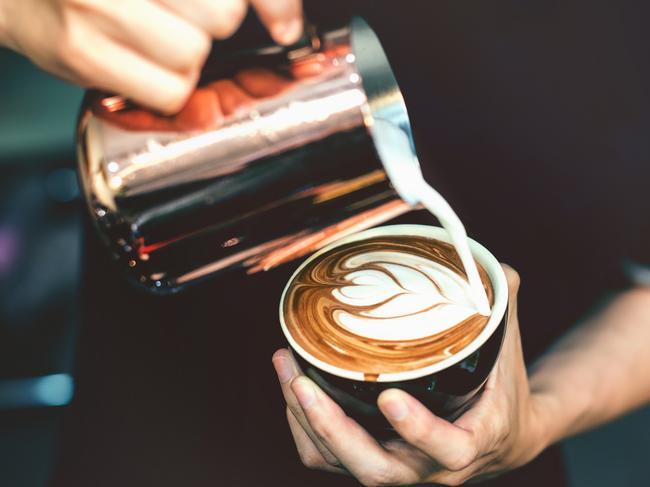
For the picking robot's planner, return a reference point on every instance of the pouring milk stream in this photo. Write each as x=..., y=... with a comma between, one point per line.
x=404, y=171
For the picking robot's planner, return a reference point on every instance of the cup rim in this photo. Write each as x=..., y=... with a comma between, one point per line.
x=485, y=258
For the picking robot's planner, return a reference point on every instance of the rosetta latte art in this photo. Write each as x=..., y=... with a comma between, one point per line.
x=403, y=297
x=385, y=304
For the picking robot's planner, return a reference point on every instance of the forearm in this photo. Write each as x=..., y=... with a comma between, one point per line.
x=597, y=372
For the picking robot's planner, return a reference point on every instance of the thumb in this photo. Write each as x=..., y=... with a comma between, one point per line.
x=512, y=353
x=512, y=276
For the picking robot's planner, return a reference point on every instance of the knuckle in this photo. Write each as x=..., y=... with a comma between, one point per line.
x=454, y=481
x=329, y=458
x=176, y=95
x=223, y=31
x=196, y=49
x=202, y=47
x=165, y=103
x=195, y=38
x=505, y=436
x=311, y=459
x=235, y=11
x=462, y=460
x=419, y=437
x=71, y=46
x=227, y=18
x=332, y=461
x=486, y=432
x=323, y=430
x=72, y=52
x=378, y=477
x=66, y=46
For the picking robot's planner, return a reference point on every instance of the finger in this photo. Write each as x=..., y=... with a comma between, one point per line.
x=219, y=18
x=512, y=343
x=283, y=18
x=100, y=62
x=450, y=446
x=357, y=451
x=514, y=281
x=430, y=470
x=287, y=370
x=154, y=32
x=307, y=451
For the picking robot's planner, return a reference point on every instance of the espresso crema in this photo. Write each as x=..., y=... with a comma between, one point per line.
x=384, y=305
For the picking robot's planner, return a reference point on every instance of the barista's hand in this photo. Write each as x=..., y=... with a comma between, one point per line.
x=150, y=51
x=501, y=432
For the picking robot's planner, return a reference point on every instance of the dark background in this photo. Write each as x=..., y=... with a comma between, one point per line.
x=558, y=89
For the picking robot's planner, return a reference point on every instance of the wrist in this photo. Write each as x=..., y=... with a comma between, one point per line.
x=561, y=406
x=543, y=419
x=524, y=443
x=531, y=436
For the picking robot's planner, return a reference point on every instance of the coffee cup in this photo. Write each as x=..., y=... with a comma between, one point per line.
x=447, y=385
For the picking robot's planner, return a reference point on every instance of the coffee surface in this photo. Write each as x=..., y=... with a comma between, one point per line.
x=384, y=305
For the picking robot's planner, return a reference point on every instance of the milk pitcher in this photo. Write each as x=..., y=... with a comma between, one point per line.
x=278, y=152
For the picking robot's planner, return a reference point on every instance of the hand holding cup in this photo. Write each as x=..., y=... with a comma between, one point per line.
x=500, y=432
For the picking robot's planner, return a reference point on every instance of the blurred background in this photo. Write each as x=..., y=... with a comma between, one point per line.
x=41, y=217
x=40, y=232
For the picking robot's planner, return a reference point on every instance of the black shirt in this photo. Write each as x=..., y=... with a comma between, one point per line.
x=531, y=117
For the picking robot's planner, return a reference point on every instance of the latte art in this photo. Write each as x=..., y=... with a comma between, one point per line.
x=401, y=297
x=383, y=305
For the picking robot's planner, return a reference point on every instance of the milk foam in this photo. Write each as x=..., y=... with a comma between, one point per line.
x=402, y=297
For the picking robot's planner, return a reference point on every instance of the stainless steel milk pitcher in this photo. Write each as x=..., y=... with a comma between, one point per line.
x=277, y=153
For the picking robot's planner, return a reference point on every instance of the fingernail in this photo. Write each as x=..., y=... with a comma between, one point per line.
x=304, y=391
x=287, y=32
x=394, y=407
x=284, y=369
